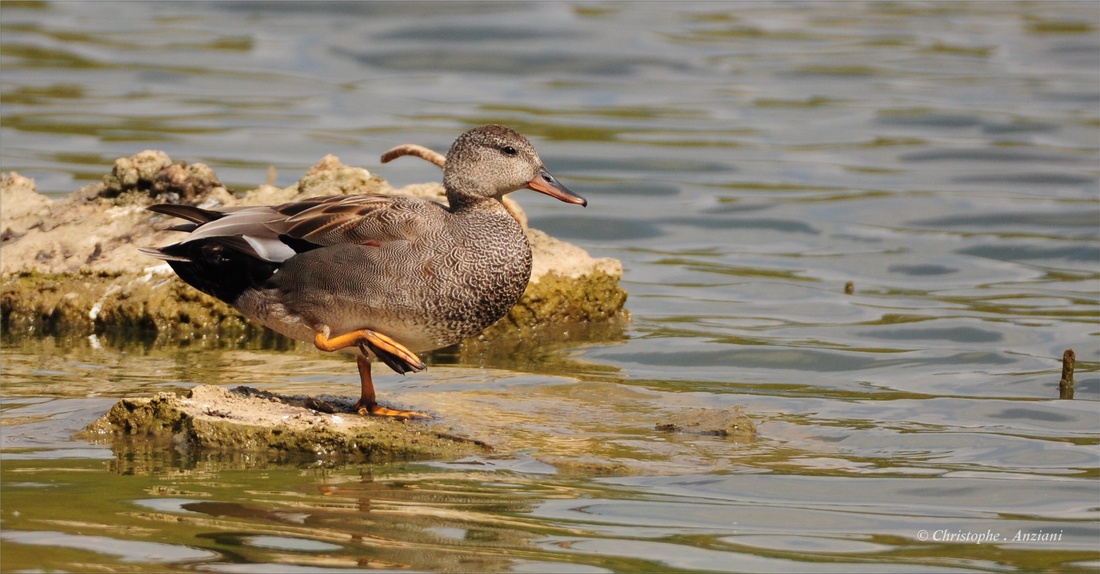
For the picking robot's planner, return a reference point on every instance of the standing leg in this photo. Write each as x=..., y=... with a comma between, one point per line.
x=367, y=405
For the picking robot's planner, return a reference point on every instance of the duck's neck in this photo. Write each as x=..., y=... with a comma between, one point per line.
x=460, y=201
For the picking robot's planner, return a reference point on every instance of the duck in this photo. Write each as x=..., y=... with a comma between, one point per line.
x=379, y=277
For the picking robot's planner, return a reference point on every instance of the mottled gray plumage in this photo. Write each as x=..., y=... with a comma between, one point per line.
x=423, y=274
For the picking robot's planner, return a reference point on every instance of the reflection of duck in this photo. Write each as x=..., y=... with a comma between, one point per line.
x=376, y=276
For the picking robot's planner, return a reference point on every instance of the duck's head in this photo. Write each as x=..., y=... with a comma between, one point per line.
x=491, y=161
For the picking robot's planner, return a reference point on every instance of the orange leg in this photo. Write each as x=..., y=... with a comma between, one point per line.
x=367, y=405
x=393, y=353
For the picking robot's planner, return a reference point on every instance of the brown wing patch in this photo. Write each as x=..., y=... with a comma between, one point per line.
x=333, y=220
x=357, y=219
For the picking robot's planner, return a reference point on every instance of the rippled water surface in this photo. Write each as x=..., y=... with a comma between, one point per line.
x=743, y=160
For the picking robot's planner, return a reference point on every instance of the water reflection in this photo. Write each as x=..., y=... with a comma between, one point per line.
x=444, y=517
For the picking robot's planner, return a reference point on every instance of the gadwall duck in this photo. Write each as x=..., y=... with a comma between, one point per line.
x=380, y=277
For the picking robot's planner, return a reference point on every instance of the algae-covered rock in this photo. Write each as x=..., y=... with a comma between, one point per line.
x=246, y=420
x=90, y=302
x=73, y=264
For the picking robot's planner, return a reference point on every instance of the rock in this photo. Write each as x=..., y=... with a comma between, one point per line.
x=21, y=204
x=153, y=172
x=98, y=228
x=73, y=264
x=244, y=420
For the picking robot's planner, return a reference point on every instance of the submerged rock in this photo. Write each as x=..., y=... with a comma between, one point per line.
x=729, y=423
x=73, y=264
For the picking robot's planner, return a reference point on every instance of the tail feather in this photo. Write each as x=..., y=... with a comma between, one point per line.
x=215, y=269
x=223, y=266
x=189, y=212
x=155, y=252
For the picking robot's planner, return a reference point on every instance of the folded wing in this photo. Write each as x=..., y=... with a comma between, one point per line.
x=232, y=249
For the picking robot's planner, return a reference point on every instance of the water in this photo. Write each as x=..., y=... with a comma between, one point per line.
x=743, y=160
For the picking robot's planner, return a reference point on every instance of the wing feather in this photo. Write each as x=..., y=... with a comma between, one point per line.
x=277, y=233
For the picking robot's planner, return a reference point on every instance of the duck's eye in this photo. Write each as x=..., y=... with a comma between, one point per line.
x=509, y=150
